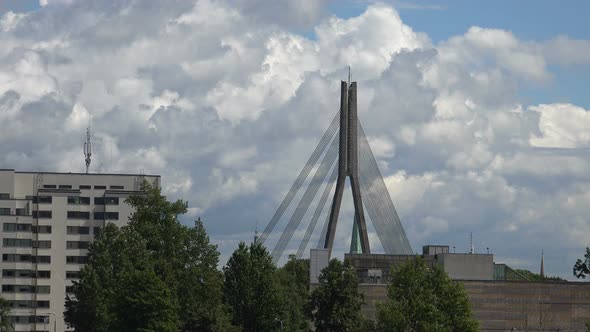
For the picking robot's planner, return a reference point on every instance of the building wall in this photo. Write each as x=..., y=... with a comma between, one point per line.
x=468, y=266
x=21, y=187
x=505, y=305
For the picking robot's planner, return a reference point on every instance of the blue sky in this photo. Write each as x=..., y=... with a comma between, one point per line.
x=477, y=111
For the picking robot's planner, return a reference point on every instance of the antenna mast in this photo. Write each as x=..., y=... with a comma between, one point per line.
x=87, y=149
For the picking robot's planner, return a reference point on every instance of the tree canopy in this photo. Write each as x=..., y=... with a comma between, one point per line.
x=251, y=289
x=5, y=323
x=582, y=267
x=424, y=299
x=153, y=274
x=335, y=304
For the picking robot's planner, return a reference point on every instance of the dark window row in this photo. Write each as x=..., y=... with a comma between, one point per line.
x=117, y=187
x=76, y=259
x=43, y=199
x=72, y=274
x=25, y=289
x=26, y=258
x=42, y=214
x=25, y=243
x=100, y=187
x=106, y=200
x=28, y=304
x=77, y=244
x=78, y=200
x=14, y=227
x=106, y=215
x=78, y=215
x=85, y=187
x=4, y=196
x=78, y=230
x=28, y=319
x=26, y=274
x=19, y=211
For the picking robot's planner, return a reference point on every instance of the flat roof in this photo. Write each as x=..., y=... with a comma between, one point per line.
x=75, y=173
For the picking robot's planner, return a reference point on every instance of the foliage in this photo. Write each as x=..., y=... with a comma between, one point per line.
x=5, y=323
x=335, y=305
x=154, y=274
x=294, y=281
x=424, y=299
x=582, y=268
x=531, y=276
x=251, y=289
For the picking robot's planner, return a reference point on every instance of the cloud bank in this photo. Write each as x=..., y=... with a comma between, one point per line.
x=226, y=100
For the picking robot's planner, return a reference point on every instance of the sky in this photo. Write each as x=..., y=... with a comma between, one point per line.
x=477, y=112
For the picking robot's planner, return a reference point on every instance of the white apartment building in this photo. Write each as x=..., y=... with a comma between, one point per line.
x=48, y=220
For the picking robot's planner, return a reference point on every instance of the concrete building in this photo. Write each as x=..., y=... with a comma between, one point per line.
x=501, y=298
x=48, y=221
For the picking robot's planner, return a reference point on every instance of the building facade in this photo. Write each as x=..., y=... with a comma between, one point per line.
x=48, y=220
x=501, y=299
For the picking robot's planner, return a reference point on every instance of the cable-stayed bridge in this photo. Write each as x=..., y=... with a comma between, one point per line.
x=342, y=152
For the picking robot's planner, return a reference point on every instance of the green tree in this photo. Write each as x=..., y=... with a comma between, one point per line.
x=5, y=322
x=335, y=305
x=180, y=264
x=294, y=280
x=252, y=291
x=424, y=299
x=582, y=267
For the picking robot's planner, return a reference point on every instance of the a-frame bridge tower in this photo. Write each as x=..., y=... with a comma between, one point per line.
x=345, y=142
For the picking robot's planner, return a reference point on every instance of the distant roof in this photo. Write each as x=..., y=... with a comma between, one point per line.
x=71, y=173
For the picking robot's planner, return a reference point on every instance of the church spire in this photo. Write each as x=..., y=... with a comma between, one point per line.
x=542, y=265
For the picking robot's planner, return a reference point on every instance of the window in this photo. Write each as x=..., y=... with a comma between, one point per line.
x=42, y=214
x=27, y=319
x=111, y=200
x=82, y=186
x=4, y=196
x=42, y=229
x=4, y=211
x=69, y=289
x=26, y=274
x=42, y=244
x=77, y=244
x=78, y=230
x=65, y=186
x=78, y=215
x=25, y=289
x=26, y=258
x=21, y=212
x=28, y=304
x=106, y=215
x=76, y=259
x=96, y=231
x=117, y=187
x=72, y=274
x=98, y=200
x=78, y=200
x=17, y=243
x=100, y=187
x=14, y=227
x=49, y=186
x=42, y=199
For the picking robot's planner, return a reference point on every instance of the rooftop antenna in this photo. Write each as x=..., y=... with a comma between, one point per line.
x=471, y=250
x=87, y=149
x=542, y=265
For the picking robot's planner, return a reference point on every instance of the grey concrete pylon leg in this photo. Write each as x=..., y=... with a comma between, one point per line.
x=342, y=168
x=353, y=168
